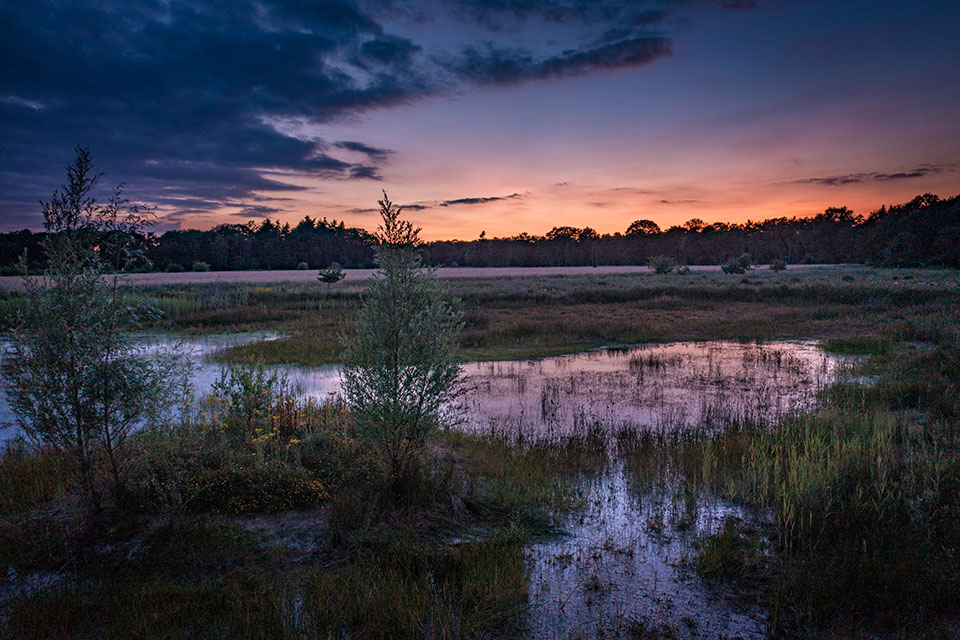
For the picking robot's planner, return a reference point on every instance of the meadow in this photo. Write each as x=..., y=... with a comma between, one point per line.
x=256, y=512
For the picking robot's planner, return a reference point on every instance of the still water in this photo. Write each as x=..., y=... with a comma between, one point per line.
x=648, y=387
x=622, y=564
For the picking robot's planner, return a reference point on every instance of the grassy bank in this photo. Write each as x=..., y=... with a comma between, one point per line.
x=858, y=501
x=261, y=516
x=526, y=317
x=271, y=521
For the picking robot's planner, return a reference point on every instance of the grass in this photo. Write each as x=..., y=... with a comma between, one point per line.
x=278, y=526
x=282, y=525
x=527, y=317
x=860, y=497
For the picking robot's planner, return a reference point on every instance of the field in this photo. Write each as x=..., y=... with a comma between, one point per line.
x=257, y=513
x=309, y=277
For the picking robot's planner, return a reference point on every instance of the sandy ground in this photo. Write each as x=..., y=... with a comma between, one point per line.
x=10, y=283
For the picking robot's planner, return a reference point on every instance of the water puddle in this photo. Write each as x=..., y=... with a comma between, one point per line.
x=622, y=569
x=622, y=566
x=661, y=387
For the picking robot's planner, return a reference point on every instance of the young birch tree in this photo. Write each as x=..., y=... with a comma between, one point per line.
x=72, y=377
x=400, y=364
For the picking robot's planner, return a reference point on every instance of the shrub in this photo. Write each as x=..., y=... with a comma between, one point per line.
x=73, y=379
x=303, y=266
x=201, y=266
x=332, y=274
x=661, y=264
x=738, y=265
x=248, y=393
x=778, y=265
x=400, y=364
x=175, y=267
x=683, y=270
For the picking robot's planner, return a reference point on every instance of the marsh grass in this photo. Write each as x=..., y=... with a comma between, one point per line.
x=858, y=497
x=525, y=317
x=856, y=503
x=197, y=553
x=31, y=477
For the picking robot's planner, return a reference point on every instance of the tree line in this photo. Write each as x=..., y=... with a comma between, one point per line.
x=922, y=232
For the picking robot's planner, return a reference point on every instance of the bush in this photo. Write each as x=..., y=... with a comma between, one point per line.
x=174, y=267
x=661, y=264
x=248, y=393
x=73, y=378
x=220, y=478
x=332, y=274
x=683, y=270
x=303, y=266
x=738, y=265
x=778, y=265
x=255, y=488
x=201, y=266
x=400, y=364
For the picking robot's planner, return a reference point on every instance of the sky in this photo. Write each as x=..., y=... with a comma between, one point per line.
x=481, y=115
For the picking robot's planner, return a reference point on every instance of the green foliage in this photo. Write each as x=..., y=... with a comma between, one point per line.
x=661, y=264
x=778, y=265
x=200, y=266
x=73, y=379
x=332, y=274
x=738, y=265
x=730, y=553
x=400, y=364
x=303, y=266
x=247, y=392
x=175, y=267
x=474, y=589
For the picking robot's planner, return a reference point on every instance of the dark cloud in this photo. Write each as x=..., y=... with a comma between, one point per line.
x=507, y=15
x=359, y=171
x=501, y=65
x=178, y=99
x=388, y=50
x=834, y=181
x=257, y=211
x=450, y=203
x=740, y=5
x=919, y=172
x=373, y=153
x=858, y=178
x=405, y=207
x=188, y=102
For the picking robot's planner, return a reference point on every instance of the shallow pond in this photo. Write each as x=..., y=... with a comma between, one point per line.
x=669, y=386
x=622, y=563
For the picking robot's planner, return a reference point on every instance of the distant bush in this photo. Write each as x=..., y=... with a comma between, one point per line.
x=303, y=266
x=661, y=264
x=174, y=267
x=201, y=266
x=332, y=274
x=683, y=270
x=738, y=265
x=778, y=265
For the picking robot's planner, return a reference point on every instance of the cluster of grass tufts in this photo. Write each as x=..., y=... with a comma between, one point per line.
x=259, y=515
x=858, y=498
x=862, y=492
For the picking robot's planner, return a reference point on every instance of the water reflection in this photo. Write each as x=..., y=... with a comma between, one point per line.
x=621, y=568
x=651, y=387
